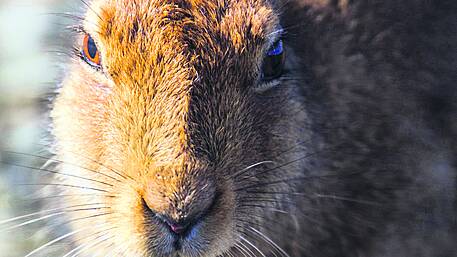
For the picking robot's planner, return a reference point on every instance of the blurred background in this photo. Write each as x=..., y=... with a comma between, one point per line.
x=34, y=45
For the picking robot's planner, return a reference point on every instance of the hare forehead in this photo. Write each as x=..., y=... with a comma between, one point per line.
x=237, y=21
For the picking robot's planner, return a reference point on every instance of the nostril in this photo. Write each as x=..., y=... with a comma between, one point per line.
x=177, y=228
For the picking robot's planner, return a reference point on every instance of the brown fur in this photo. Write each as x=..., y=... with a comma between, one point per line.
x=173, y=120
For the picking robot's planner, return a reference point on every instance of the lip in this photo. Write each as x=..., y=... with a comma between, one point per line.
x=179, y=243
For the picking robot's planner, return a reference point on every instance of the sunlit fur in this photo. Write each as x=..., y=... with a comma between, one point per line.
x=339, y=158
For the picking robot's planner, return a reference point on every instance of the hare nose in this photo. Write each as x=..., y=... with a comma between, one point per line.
x=181, y=212
x=182, y=226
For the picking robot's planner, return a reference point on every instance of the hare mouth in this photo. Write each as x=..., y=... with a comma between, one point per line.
x=178, y=238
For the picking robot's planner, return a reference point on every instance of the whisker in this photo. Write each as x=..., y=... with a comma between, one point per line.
x=257, y=224
x=253, y=246
x=32, y=221
x=228, y=253
x=278, y=210
x=248, y=168
x=271, y=242
x=265, y=200
x=271, y=249
x=63, y=185
x=62, y=162
x=72, y=195
x=57, y=240
x=85, y=217
x=252, y=205
x=294, y=147
x=98, y=240
x=48, y=216
x=248, y=219
x=45, y=211
x=315, y=195
x=342, y=198
x=242, y=248
x=286, y=163
x=278, y=193
x=119, y=173
x=301, y=214
x=299, y=178
x=257, y=220
x=93, y=245
x=55, y=172
x=271, y=229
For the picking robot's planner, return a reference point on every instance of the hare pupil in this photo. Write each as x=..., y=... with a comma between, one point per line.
x=92, y=48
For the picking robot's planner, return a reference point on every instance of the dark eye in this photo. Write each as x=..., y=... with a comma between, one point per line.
x=90, y=52
x=273, y=62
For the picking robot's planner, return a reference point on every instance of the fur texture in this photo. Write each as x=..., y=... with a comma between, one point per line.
x=352, y=153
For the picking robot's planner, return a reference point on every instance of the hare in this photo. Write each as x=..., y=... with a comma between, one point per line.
x=260, y=128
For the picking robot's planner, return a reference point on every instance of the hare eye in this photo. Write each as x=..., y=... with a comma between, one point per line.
x=273, y=62
x=90, y=52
